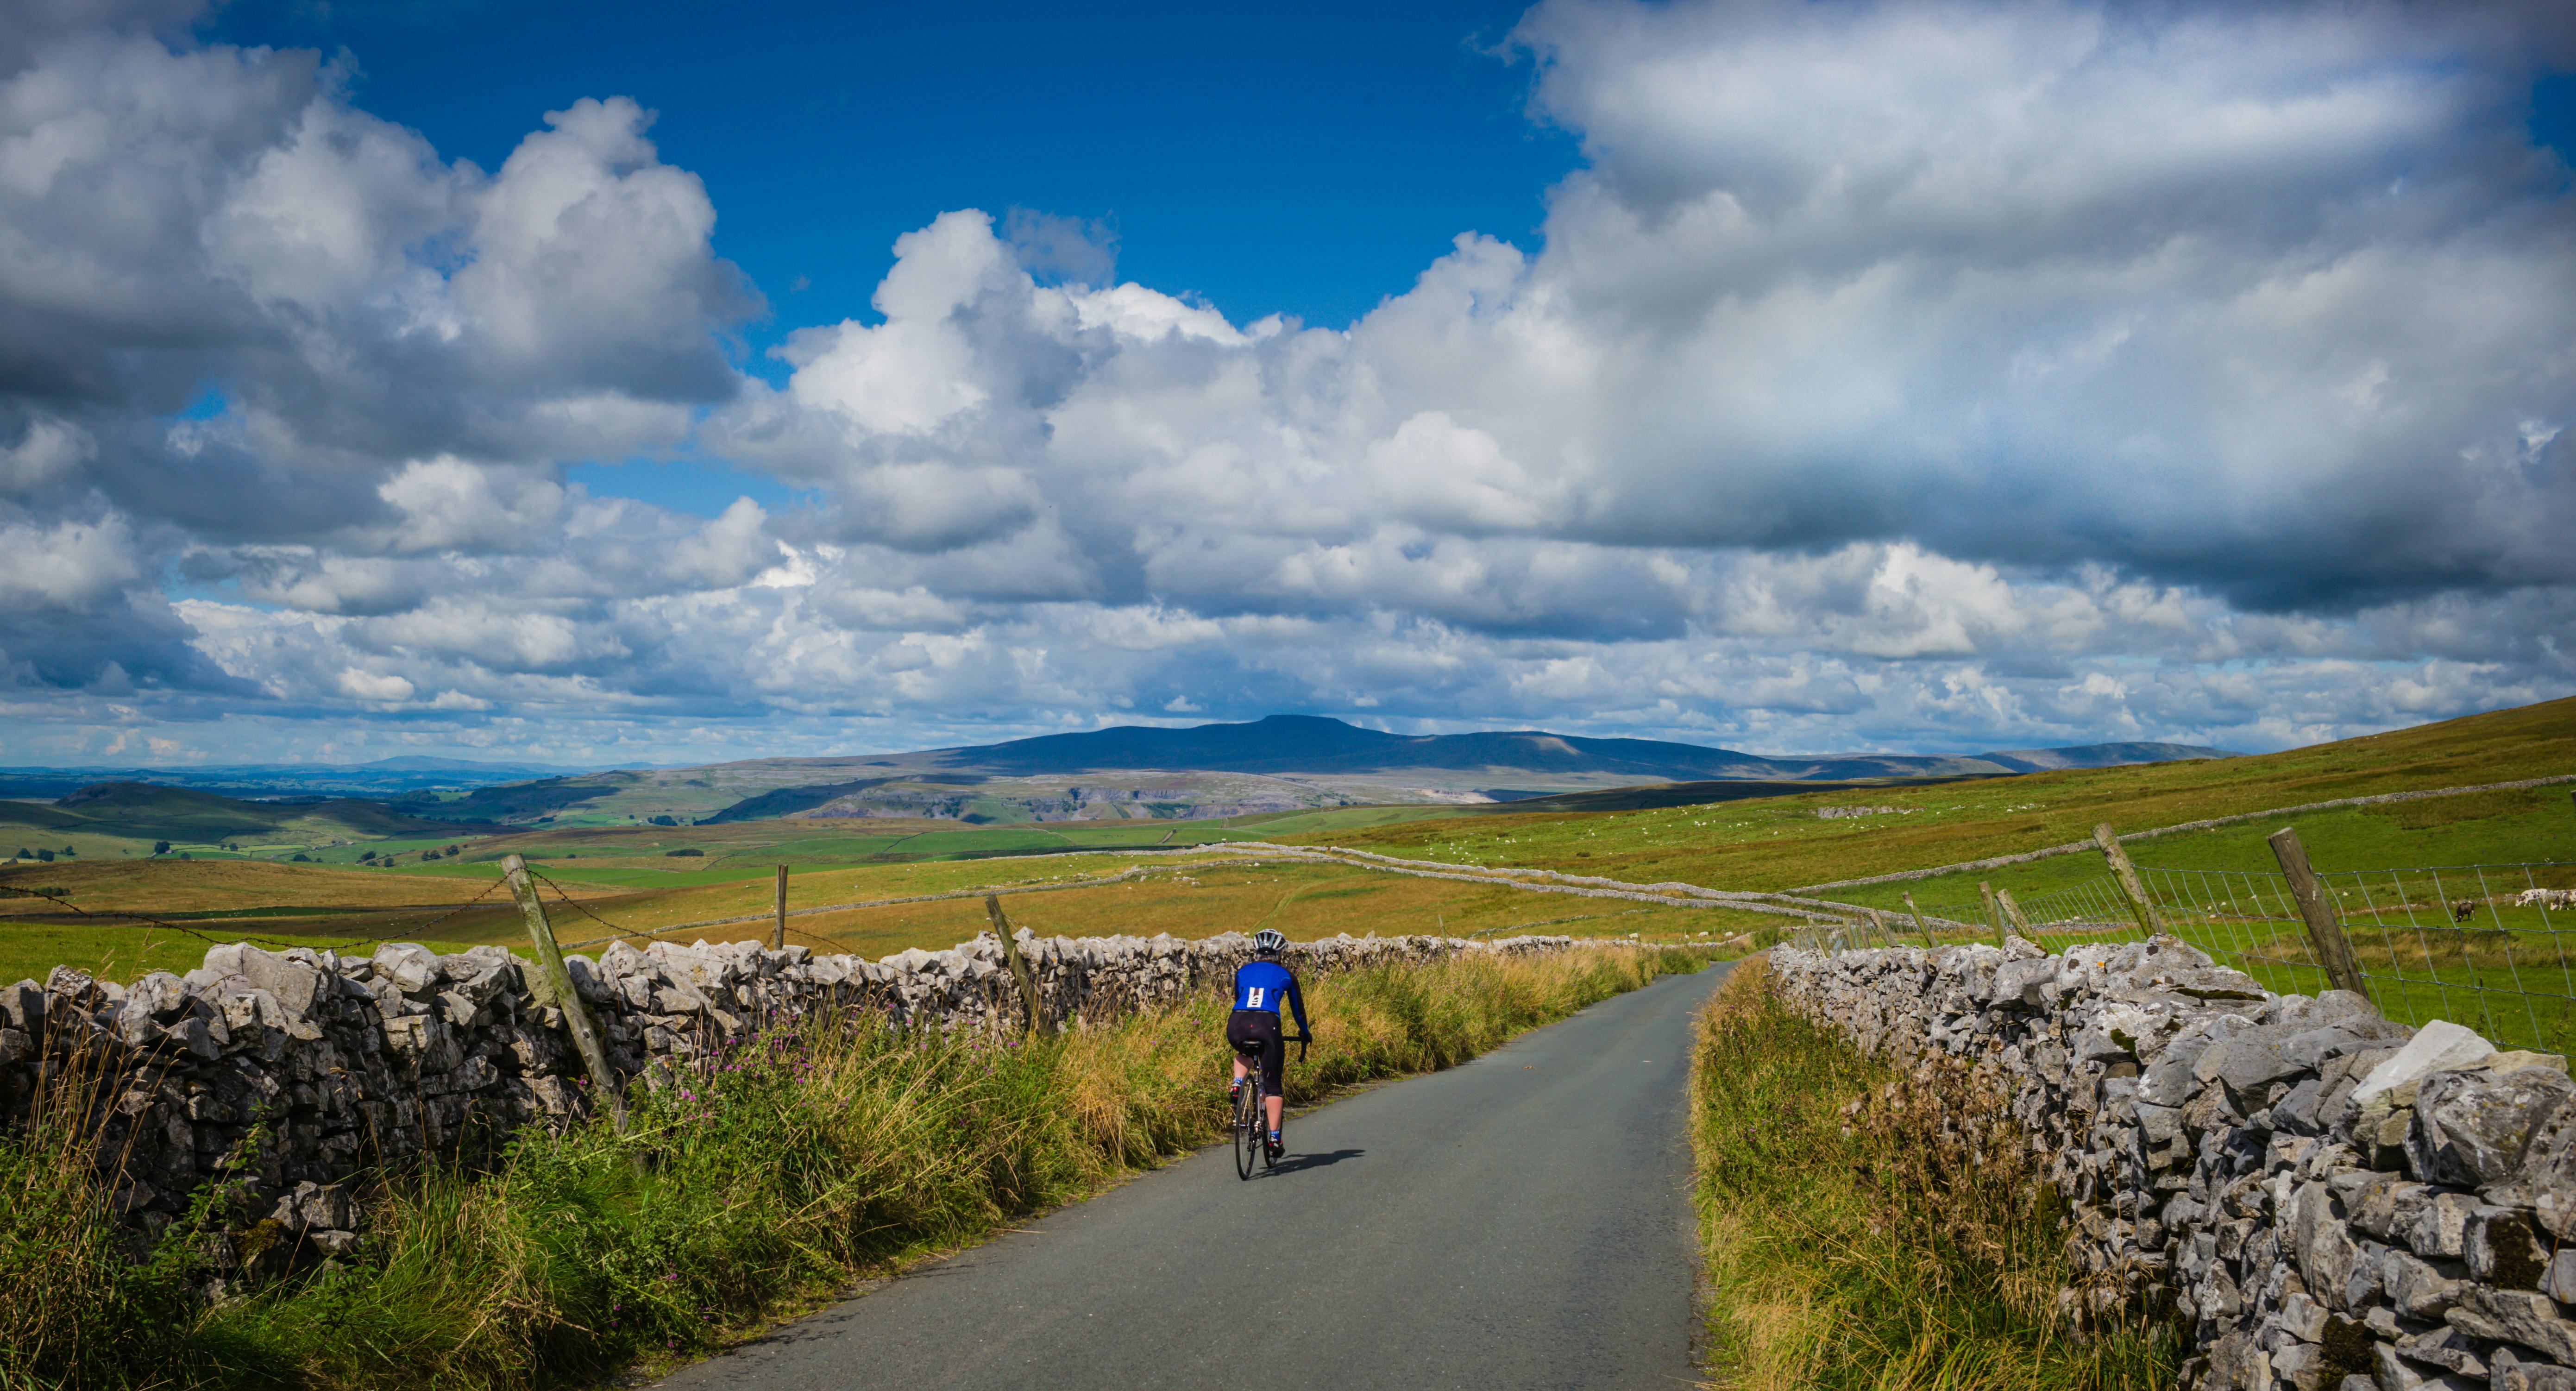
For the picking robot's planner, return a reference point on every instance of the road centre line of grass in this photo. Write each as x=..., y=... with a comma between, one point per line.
x=2081, y=846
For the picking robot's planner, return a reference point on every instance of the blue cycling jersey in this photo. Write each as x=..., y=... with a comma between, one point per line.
x=1262, y=985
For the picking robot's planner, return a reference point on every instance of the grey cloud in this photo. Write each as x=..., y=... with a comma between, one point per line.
x=27, y=26
x=1056, y=249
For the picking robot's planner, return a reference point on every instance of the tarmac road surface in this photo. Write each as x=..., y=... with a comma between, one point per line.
x=1520, y=1221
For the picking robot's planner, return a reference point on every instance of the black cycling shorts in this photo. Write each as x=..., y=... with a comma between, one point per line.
x=1257, y=1031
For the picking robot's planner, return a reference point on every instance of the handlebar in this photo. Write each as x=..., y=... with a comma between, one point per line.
x=1301, y=1041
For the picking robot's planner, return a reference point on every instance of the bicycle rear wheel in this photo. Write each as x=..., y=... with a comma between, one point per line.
x=1247, y=1123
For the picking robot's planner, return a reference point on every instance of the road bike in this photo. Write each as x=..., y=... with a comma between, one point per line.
x=1249, y=1131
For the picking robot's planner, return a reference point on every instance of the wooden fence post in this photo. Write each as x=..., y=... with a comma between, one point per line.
x=1020, y=972
x=1994, y=914
x=1920, y=925
x=585, y=1030
x=2015, y=917
x=2134, y=889
x=2325, y=935
x=781, y=943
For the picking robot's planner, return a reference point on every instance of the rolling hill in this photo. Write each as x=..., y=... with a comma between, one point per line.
x=1312, y=745
x=139, y=811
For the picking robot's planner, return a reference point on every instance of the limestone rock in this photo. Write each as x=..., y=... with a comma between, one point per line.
x=2471, y=1128
x=410, y=967
x=2529, y=1319
x=2546, y=1179
x=2439, y=1046
x=2509, y=1372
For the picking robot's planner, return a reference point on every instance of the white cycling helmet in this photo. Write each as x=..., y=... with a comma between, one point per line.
x=1269, y=940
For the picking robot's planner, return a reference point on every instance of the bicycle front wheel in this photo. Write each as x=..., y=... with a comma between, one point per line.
x=1247, y=1124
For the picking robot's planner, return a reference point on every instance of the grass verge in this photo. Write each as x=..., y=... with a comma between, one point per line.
x=1866, y=1227
x=759, y=1184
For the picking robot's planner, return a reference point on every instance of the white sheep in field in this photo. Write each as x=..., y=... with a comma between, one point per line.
x=2546, y=898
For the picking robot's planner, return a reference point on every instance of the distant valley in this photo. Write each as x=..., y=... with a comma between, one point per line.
x=389, y=777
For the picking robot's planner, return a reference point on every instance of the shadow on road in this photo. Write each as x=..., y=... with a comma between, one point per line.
x=1292, y=1163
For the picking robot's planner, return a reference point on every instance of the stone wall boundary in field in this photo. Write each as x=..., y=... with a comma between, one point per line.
x=356, y=1064
x=2324, y=1198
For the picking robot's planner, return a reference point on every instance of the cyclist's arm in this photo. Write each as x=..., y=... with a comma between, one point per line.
x=1297, y=1002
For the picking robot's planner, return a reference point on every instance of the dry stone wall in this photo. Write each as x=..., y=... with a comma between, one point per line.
x=2325, y=1198
x=353, y=1062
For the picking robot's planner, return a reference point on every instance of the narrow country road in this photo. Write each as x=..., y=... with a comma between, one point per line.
x=1521, y=1221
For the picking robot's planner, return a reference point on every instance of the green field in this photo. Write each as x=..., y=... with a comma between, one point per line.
x=1780, y=843
x=628, y=879
x=2506, y=972
x=1185, y=896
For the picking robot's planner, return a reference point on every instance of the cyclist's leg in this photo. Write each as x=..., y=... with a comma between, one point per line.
x=1274, y=1070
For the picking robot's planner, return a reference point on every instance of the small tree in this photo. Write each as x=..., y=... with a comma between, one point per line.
x=45, y=855
x=160, y=847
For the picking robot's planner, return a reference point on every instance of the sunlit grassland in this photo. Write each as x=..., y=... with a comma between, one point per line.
x=1181, y=897
x=749, y=847
x=1780, y=843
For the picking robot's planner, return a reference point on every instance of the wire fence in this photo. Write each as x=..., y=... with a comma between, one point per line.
x=2486, y=946
x=181, y=928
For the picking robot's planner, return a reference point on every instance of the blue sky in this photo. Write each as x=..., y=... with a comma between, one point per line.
x=588, y=382
x=1298, y=159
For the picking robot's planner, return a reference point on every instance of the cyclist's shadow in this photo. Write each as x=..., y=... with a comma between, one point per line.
x=1291, y=1163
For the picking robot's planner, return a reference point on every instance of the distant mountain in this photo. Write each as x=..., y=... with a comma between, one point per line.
x=1310, y=744
x=1313, y=744
x=1280, y=763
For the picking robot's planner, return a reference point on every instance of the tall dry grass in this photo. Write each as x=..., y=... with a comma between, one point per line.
x=757, y=1184
x=1871, y=1227
x=82, y=1298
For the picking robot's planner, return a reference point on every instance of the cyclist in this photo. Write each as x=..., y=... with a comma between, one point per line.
x=1259, y=985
